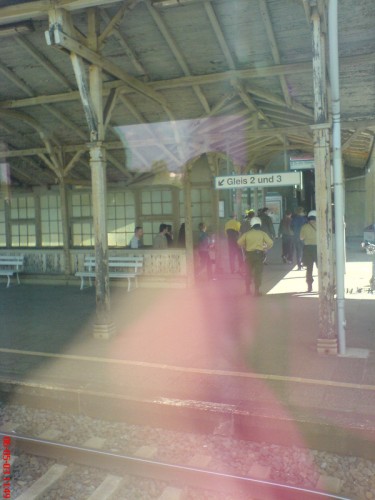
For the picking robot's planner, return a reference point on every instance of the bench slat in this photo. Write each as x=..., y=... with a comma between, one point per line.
x=10, y=265
x=119, y=267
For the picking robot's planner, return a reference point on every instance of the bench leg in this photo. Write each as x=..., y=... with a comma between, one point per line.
x=18, y=279
x=129, y=285
x=8, y=283
x=83, y=282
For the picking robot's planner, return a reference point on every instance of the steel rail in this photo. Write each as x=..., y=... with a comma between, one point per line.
x=194, y=477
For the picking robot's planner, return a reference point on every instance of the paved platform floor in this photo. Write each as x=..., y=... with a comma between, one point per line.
x=210, y=343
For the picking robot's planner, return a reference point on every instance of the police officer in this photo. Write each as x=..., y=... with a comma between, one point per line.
x=255, y=242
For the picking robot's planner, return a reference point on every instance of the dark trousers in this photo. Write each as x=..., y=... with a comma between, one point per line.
x=254, y=261
x=205, y=262
x=310, y=255
x=235, y=254
x=287, y=246
x=298, y=244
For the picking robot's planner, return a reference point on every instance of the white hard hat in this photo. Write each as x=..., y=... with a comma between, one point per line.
x=254, y=221
x=312, y=213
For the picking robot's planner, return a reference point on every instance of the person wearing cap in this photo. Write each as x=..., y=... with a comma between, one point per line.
x=232, y=230
x=310, y=253
x=255, y=242
x=245, y=224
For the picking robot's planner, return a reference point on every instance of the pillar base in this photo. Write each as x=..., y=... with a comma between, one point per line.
x=327, y=346
x=104, y=331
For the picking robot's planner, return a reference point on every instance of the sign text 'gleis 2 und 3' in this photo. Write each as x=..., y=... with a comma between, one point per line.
x=258, y=180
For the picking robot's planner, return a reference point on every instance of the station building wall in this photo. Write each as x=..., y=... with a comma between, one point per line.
x=34, y=219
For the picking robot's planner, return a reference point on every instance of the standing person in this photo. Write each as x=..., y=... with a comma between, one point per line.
x=160, y=241
x=310, y=254
x=181, y=239
x=245, y=224
x=287, y=240
x=298, y=220
x=255, y=242
x=267, y=224
x=136, y=241
x=267, y=227
x=232, y=230
x=204, y=244
x=169, y=235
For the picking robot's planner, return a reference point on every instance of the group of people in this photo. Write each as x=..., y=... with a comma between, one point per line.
x=289, y=231
x=249, y=241
x=298, y=232
x=162, y=240
x=247, y=246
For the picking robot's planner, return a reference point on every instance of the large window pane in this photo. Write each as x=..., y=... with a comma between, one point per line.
x=22, y=214
x=51, y=226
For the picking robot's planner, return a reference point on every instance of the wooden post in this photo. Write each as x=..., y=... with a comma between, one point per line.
x=65, y=226
x=327, y=339
x=92, y=101
x=213, y=162
x=189, y=230
x=370, y=192
x=103, y=327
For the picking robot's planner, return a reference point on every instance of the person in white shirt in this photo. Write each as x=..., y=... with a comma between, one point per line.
x=136, y=241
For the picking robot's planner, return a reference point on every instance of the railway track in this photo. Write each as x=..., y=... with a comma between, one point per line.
x=172, y=479
x=233, y=419
x=349, y=432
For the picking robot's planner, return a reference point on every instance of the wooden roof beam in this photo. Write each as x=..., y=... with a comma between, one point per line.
x=275, y=99
x=306, y=6
x=128, y=51
x=221, y=103
x=112, y=25
x=142, y=120
x=59, y=39
x=176, y=52
x=40, y=8
x=219, y=34
x=273, y=44
x=175, y=83
x=42, y=59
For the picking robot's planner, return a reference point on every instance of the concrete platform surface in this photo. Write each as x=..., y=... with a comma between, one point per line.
x=210, y=343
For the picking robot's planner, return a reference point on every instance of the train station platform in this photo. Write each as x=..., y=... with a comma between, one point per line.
x=211, y=344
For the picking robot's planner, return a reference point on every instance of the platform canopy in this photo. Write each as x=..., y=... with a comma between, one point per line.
x=180, y=77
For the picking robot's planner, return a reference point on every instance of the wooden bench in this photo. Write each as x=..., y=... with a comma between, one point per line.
x=11, y=265
x=128, y=267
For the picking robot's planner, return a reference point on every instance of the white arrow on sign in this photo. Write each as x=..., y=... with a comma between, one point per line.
x=258, y=180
